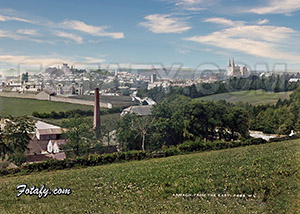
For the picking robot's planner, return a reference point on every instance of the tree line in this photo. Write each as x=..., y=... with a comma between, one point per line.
x=74, y=113
x=273, y=83
x=281, y=118
x=178, y=119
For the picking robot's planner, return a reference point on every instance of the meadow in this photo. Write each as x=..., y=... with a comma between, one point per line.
x=254, y=179
x=255, y=97
x=20, y=107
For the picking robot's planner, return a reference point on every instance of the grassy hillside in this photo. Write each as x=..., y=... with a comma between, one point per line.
x=21, y=107
x=270, y=172
x=254, y=97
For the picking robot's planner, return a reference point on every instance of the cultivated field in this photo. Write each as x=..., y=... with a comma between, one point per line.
x=267, y=174
x=21, y=107
x=255, y=97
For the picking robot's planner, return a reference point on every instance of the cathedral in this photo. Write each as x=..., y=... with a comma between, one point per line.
x=234, y=70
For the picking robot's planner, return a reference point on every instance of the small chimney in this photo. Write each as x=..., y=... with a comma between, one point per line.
x=97, y=110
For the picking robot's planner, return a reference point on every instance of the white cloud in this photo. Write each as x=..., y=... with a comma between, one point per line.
x=223, y=21
x=90, y=29
x=71, y=36
x=30, y=32
x=89, y=59
x=278, y=7
x=164, y=23
x=11, y=18
x=189, y=2
x=263, y=21
x=258, y=40
x=11, y=35
x=193, y=5
x=30, y=60
x=47, y=61
x=98, y=31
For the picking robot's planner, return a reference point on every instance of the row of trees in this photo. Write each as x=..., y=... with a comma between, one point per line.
x=74, y=113
x=274, y=83
x=281, y=118
x=178, y=119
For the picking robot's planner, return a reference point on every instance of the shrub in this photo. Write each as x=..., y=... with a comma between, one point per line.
x=190, y=146
x=35, y=114
x=254, y=141
x=73, y=113
x=171, y=151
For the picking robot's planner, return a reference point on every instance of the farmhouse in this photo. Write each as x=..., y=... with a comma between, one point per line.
x=46, y=143
x=45, y=131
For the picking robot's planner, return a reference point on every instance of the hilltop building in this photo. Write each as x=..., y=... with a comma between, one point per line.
x=234, y=70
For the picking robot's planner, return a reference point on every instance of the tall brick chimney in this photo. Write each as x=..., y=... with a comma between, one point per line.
x=97, y=110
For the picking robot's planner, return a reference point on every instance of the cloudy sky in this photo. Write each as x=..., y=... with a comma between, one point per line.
x=191, y=32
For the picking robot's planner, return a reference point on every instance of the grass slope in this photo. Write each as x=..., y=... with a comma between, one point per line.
x=255, y=97
x=21, y=107
x=270, y=172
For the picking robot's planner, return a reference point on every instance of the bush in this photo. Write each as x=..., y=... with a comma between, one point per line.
x=190, y=146
x=74, y=113
x=171, y=151
x=254, y=141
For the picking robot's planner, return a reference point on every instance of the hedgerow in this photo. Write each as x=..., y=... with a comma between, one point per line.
x=100, y=159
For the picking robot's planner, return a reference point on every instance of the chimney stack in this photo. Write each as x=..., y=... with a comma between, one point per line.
x=97, y=110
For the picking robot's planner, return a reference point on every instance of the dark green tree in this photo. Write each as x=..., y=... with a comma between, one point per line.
x=14, y=138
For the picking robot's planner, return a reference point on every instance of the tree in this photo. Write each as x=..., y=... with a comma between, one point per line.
x=25, y=77
x=133, y=130
x=237, y=122
x=14, y=138
x=142, y=124
x=80, y=134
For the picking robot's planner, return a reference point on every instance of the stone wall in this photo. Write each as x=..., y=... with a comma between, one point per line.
x=55, y=99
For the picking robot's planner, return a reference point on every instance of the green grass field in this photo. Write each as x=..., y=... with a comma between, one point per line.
x=270, y=172
x=255, y=97
x=21, y=107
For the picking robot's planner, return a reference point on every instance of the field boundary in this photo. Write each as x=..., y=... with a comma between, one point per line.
x=117, y=157
x=54, y=99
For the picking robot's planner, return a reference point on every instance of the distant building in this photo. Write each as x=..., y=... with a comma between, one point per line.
x=234, y=70
x=153, y=78
x=46, y=143
x=294, y=80
x=45, y=131
x=44, y=95
x=139, y=110
x=66, y=68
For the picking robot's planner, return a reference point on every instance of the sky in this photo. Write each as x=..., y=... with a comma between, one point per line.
x=261, y=34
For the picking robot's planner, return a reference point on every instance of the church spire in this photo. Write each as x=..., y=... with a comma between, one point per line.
x=233, y=62
x=229, y=63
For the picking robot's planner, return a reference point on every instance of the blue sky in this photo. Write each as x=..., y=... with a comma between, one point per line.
x=190, y=32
